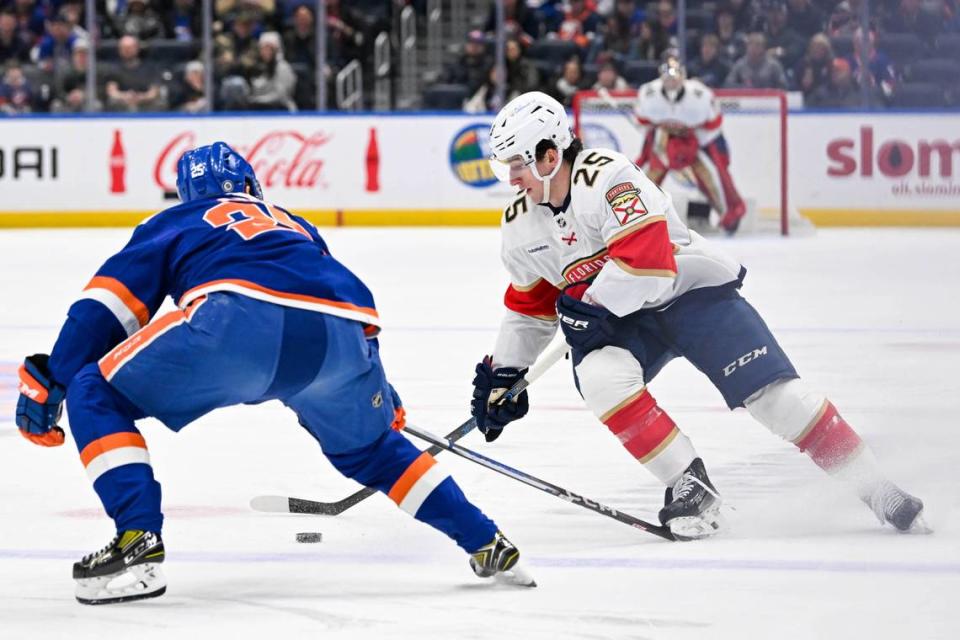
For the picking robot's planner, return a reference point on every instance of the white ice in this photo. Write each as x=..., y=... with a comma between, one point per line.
x=868, y=316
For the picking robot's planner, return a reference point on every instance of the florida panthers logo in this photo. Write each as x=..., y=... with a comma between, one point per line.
x=625, y=201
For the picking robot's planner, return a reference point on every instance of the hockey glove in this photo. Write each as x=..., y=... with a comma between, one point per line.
x=399, y=413
x=585, y=326
x=492, y=417
x=40, y=403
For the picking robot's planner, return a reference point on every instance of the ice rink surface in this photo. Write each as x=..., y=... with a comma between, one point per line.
x=868, y=316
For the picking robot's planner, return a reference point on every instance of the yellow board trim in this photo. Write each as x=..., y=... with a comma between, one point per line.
x=460, y=218
x=319, y=217
x=882, y=218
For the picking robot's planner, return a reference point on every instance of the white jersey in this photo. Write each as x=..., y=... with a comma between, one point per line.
x=618, y=229
x=694, y=109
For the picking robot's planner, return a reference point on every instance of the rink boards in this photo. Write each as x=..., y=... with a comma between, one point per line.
x=430, y=169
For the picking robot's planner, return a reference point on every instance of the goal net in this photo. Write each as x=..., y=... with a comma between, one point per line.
x=755, y=127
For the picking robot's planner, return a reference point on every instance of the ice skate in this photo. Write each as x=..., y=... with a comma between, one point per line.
x=500, y=560
x=892, y=505
x=730, y=221
x=692, y=506
x=126, y=569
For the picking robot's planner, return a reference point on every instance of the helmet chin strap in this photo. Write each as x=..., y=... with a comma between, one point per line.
x=546, y=181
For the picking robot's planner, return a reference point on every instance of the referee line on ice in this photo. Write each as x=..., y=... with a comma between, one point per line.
x=656, y=564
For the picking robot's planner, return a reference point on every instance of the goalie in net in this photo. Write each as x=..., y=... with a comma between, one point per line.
x=683, y=129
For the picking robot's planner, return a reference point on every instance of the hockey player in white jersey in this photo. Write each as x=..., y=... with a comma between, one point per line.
x=594, y=246
x=683, y=132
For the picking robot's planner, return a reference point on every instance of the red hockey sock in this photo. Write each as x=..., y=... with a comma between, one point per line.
x=830, y=441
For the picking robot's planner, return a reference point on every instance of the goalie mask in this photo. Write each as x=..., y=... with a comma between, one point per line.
x=672, y=75
x=519, y=127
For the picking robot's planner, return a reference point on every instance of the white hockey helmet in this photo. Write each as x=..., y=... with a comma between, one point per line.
x=520, y=126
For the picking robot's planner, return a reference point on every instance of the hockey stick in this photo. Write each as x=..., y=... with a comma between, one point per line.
x=542, y=485
x=285, y=504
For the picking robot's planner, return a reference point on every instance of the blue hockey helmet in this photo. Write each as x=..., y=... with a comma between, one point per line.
x=215, y=170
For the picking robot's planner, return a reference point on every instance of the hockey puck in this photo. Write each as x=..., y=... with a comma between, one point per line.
x=309, y=536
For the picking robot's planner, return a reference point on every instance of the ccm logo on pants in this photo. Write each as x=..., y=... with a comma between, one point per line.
x=744, y=359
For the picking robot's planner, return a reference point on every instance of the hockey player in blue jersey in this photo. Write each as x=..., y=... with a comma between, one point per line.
x=264, y=313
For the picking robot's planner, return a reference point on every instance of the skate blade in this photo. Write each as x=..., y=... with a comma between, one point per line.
x=137, y=583
x=516, y=576
x=705, y=525
x=918, y=527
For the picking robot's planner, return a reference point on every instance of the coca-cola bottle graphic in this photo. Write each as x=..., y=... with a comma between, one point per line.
x=373, y=163
x=118, y=165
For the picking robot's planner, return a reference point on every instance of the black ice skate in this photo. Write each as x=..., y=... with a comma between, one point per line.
x=126, y=569
x=499, y=559
x=692, y=506
x=893, y=505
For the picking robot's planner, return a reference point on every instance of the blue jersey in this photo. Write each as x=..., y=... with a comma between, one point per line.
x=232, y=243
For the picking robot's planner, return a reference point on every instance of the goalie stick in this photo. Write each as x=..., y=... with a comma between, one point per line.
x=286, y=504
x=542, y=485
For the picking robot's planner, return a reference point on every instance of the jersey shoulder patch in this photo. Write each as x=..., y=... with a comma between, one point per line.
x=625, y=202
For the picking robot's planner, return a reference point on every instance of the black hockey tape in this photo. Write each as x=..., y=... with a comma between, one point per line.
x=309, y=536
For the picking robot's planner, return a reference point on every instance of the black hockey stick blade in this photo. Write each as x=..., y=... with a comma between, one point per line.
x=285, y=504
x=542, y=485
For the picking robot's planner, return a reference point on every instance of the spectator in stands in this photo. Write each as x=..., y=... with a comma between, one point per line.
x=813, y=71
x=299, y=40
x=652, y=42
x=133, y=85
x=31, y=20
x=872, y=67
x=71, y=97
x=733, y=43
x=16, y=96
x=519, y=21
x=805, y=17
x=522, y=76
x=188, y=94
x=484, y=99
x=12, y=46
x=609, y=79
x=570, y=81
x=742, y=12
x=666, y=21
x=843, y=21
x=140, y=20
x=622, y=28
x=710, y=68
x=183, y=21
x=581, y=25
x=756, y=70
x=784, y=44
x=55, y=47
x=72, y=11
x=236, y=49
x=841, y=91
x=472, y=68
x=345, y=32
x=273, y=82
x=911, y=17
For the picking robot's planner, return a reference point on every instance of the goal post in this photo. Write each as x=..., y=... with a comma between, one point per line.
x=754, y=126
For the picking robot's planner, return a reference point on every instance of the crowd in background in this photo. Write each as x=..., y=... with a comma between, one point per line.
x=809, y=46
x=148, y=51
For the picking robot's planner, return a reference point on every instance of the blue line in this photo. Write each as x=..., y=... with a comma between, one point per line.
x=661, y=564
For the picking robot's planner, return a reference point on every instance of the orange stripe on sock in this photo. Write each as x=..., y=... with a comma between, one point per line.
x=132, y=302
x=414, y=472
x=109, y=443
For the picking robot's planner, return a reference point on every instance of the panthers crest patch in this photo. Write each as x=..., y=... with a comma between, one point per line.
x=625, y=201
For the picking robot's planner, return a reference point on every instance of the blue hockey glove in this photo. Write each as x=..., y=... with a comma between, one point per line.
x=493, y=417
x=585, y=326
x=40, y=403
